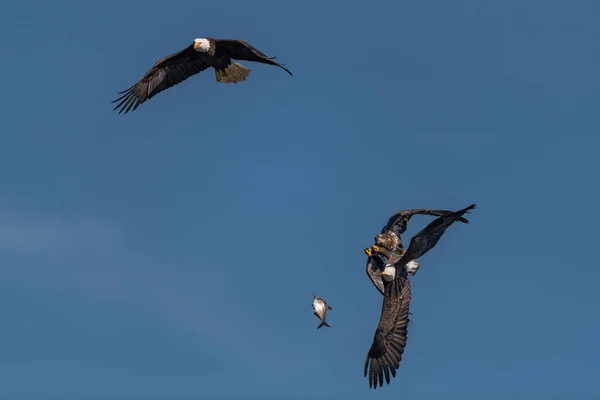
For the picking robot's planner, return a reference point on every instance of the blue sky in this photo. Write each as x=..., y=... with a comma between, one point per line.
x=171, y=253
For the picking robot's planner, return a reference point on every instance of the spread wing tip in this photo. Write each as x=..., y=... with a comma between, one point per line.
x=129, y=102
x=285, y=69
x=467, y=211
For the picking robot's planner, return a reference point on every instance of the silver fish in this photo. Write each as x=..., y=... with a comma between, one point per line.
x=321, y=308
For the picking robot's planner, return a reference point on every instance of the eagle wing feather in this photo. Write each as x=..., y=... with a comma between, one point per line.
x=391, y=335
x=242, y=50
x=165, y=73
x=398, y=222
x=375, y=263
x=429, y=236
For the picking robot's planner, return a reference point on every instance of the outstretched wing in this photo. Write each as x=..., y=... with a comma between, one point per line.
x=398, y=222
x=388, y=345
x=242, y=50
x=425, y=240
x=165, y=73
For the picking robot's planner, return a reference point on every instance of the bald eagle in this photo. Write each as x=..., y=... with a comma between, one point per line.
x=390, y=239
x=200, y=55
x=390, y=338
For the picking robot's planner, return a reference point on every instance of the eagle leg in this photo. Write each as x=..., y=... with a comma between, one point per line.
x=223, y=73
x=368, y=252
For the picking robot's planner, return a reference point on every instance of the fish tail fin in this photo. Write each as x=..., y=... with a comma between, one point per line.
x=234, y=73
x=323, y=323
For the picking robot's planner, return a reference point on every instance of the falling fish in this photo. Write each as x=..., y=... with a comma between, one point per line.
x=321, y=308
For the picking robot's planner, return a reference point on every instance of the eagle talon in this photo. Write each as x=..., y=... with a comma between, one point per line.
x=368, y=252
x=400, y=252
x=375, y=248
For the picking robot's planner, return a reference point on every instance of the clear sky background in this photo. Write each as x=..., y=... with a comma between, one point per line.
x=171, y=253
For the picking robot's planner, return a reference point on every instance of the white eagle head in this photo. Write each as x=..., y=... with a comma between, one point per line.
x=389, y=273
x=201, y=45
x=412, y=267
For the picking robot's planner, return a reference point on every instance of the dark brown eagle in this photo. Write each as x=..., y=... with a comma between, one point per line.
x=390, y=239
x=202, y=54
x=390, y=338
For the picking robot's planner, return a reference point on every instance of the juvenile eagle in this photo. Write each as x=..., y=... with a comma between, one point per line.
x=390, y=239
x=200, y=55
x=390, y=338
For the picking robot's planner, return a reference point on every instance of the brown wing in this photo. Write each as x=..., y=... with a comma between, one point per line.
x=242, y=50
x=398, y=222
x=374, y=264
x=165, y=73
x=390, y=338
x=425, y=240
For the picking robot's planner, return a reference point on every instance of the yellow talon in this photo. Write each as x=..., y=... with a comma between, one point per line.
x=375, y=248
x=400, y=252
x=368, y=252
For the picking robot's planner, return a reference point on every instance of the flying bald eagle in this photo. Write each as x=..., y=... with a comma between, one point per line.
x=202, y=54
x=390, y=239
x=390, y=338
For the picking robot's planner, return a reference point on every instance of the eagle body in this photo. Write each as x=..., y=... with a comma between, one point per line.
x=390, y=240
x=202, y=54
x=219, y=56
x=385, y=354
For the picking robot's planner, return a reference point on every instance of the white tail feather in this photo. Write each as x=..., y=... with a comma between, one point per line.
x=237, y=73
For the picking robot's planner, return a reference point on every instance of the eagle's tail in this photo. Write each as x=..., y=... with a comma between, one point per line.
x=233, y=74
